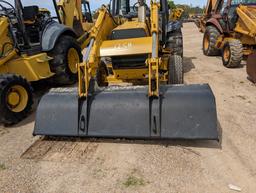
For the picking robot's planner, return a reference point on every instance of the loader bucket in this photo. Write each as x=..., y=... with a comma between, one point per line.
x=181, y=112
x=251, y=67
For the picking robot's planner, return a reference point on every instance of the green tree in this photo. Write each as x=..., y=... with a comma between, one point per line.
x=171, y=4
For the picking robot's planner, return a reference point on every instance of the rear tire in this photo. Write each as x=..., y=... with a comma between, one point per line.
x=175, y=42
x=16, y=98
x=66, y=54
x=211, y=35
x=232, y=53
x=175, y=71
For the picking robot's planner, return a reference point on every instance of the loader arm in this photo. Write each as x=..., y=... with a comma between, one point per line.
x=7, y=50
x=66, y=11
x=247, y=21
x=88, y=69
x=154, y=61
x=72, y=15
x=102, y=28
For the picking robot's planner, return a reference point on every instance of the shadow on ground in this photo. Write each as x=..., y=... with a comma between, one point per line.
x=188, y=64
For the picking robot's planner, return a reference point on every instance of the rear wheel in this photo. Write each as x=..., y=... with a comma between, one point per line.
x=232, y=53
x=211, y=35
x=175, y=70
x=16, y=98
x=66, y=54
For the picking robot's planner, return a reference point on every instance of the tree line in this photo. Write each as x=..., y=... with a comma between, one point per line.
x=188, y=9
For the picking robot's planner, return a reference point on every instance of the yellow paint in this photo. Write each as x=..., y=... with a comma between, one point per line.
x=73, y=60
x=7, y=51
x=33, y=68
x=125, y=47
x=70, y=11
x=17, y=98
x=133, y=25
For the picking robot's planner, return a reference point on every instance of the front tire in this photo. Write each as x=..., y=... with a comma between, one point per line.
x=175, y=70
x=16, y=98
x=66, y=54
x=232, y=53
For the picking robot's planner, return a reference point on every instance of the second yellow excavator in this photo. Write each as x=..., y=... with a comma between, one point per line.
x=36, y=44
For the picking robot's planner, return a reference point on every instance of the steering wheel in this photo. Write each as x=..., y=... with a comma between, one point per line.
x=135, y=7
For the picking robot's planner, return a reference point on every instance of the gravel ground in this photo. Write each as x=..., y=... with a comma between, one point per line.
x=32, y=165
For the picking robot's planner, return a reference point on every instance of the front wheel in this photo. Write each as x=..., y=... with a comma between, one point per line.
x=175, y=70
x=16, y=98
x=232, y=53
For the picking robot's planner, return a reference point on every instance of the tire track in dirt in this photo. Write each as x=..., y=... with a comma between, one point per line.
x=61, y=150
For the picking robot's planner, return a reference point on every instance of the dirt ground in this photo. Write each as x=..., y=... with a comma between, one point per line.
x=32, y=165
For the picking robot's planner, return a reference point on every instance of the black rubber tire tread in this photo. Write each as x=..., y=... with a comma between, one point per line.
x=175, y=71
x=236, y=50
x=213, y=33
x=59, y=64
x=7, y=116
x=175, y=42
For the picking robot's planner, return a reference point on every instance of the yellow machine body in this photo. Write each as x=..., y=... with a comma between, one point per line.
x=245, y=29
x=34, y=47
x=36, y=67
x=33, y=68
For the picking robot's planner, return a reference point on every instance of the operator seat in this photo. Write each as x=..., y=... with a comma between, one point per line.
x=30, y=13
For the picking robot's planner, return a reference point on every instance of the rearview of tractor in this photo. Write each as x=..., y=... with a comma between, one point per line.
x=229, y=28
x=38, y=43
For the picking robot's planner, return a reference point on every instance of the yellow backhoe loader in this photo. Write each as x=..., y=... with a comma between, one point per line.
x=129, y=44
x=229, y=28
x=35, y=44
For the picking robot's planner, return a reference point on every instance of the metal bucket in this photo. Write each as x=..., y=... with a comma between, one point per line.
x=181, y=112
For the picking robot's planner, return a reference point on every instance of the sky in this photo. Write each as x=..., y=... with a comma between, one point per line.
x=97, y=3
x=45, y=4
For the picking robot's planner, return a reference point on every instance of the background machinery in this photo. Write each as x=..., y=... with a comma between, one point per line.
x=175, y=37
x=129, y=44
x=36, y=44
x=176, y=14
x=229, y=28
